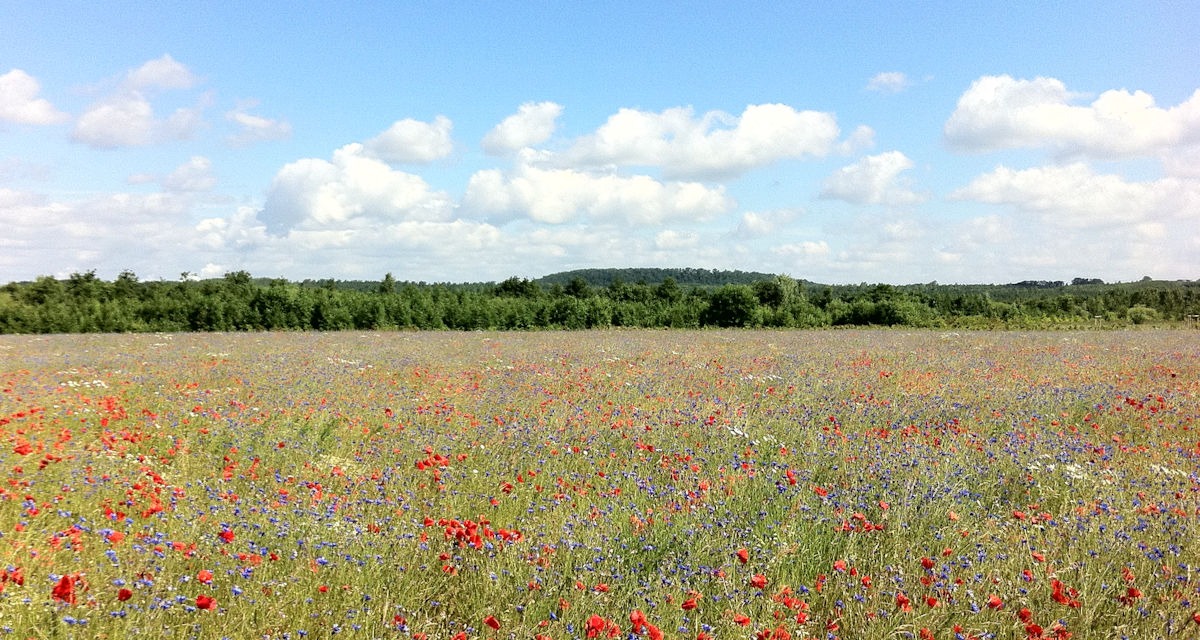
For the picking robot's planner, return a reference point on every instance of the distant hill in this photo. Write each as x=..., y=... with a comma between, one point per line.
x=686, y=277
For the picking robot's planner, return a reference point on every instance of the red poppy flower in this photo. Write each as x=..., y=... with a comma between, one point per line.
x=205, y=576
x=226, y=535
x=124, y=594
x=64, y=590
x=638, y=621
x=597, y=626
x=204, y=601
x=1131, y=594
x=688, y=604
x=743, y=556
x=994, y=602
x=758, y=581
x=1062, y=594
x=492, y=622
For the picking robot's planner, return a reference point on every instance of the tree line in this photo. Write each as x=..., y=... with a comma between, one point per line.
x=84, y=303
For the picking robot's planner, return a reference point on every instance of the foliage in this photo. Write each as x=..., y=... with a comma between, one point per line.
x=84, y=303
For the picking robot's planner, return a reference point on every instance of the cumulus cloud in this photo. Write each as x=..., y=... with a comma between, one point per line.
x=673, y=240
x=556, y=196
x=889, y=82
x=12, y=198
x=352, y=189
x=161, y=73
x=1000, y=112
x=191, y=176
x=19, y=102
x=715, y=144
x=126, y=118
x=807, y=249
x=411, y=141
x=873, y=180
x=754, y=224
x=532, y=124
x=863, y=137
x=1183, y=162
x=116, y=230
x=240, y=230
x=1075, y=196
x=254, y=128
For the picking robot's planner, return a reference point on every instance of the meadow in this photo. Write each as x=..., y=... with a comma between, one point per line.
x=610, y=484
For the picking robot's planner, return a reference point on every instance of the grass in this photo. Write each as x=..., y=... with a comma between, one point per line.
x=878, y=484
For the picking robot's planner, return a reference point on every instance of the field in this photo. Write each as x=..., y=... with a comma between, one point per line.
x=696, y=485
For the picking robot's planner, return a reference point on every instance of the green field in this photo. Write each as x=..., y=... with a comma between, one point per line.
x=708, y=484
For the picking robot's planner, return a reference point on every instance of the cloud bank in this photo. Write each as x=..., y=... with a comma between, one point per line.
x=1044, y=182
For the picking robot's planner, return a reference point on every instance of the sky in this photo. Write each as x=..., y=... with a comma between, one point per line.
x=877, y=142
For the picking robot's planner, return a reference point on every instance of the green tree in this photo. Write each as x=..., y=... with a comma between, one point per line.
x=578, y=288
x=388, y=284
x=733, y=305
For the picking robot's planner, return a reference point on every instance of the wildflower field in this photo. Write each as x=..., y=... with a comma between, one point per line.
x=616, y=484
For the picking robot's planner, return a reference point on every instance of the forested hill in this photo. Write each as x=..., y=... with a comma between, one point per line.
x=581, y=300
x=648, y=275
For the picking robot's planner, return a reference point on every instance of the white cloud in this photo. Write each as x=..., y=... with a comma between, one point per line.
x=240, y=230
x=122, y=121
x=1006, y=248
x=161, y=73
x=1075, y=196
x=1000, y=112
x=532, y=124
x=556, y=196
x=412, y=141
x=11, y=199
x=1183, y=162
x=807, y=249
x=114, y=231
x=863, y=137
x=716, y=144
x=127, y=119
x=254, y=128
x=193, y=175
x=19, y=102
x=755, y=224
x=672, y=240
x=352, y=189
x=873, y=180
x=889, y=82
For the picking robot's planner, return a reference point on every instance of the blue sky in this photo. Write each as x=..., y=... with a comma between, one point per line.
x=843, y=142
